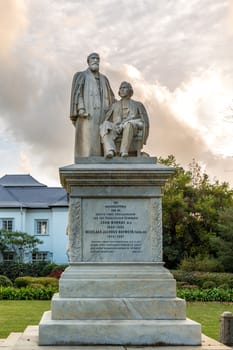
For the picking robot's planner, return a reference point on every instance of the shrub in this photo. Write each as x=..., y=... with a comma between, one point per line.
x=22, y=281
x=28, y=293
x=12, y=270
x=200, y=263
x=36, y=285
x=5, y=281
x=199, y=278
x=56, y=273
x=209, y=284
x=28, y=281
x=213, y=294
x=48, y=269
x=224, y=286
x=190, y=286
x=16, y=269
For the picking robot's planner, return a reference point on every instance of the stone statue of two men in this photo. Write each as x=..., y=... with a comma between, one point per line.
x=100, y=119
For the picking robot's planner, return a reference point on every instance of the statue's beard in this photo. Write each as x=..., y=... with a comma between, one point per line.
x=94, y=67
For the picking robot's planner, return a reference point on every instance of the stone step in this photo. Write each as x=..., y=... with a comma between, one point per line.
x=117, y=280
x=118, y=308
x=117, y=288
x=121, y=332
x=29, y=340
x=12, y=339
x=116, y=270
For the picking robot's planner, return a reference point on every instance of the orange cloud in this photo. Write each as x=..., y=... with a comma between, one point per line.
x=13, y=22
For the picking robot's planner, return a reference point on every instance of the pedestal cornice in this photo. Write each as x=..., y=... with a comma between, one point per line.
x=117, y=172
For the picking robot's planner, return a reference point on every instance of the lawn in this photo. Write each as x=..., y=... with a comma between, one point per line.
x=15, y=316
x=208, y=314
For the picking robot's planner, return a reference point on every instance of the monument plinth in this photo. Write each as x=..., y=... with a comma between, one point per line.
x=116, y=289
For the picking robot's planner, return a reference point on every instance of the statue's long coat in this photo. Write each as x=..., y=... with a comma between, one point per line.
x=86, y=94
x=136, y=110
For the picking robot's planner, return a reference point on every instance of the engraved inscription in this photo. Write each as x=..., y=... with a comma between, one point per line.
x=116, y=230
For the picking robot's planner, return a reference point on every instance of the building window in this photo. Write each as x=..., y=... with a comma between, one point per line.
x=40, y=256
x=7, y=224
x=41, y=227
x=8, y=256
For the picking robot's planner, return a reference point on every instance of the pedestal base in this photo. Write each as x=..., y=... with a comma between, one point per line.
x=116, y=290
x=121, y=303
x=121, y=332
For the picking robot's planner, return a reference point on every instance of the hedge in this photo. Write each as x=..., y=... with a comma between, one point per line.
x=204, y=279
x=5, y=281
x=36, y=269
x=27, y=281
x=28, y=293
x=15, y=269
x=213, y=294
x=46, y=293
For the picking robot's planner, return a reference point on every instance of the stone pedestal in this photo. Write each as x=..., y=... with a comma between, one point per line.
x=116, y=289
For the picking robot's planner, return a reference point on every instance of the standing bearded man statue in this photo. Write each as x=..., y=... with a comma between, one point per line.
x=91, y=97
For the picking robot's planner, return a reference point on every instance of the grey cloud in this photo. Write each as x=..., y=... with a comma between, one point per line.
x=167, y=41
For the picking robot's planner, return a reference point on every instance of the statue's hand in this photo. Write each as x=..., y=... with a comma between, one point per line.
x=119, y=128
x=83, y=114
x=140, y=125
x=73, y=119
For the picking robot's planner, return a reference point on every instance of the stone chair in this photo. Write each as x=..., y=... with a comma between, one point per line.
x=136, y=145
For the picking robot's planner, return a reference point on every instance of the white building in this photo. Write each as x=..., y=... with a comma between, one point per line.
x=29, y=206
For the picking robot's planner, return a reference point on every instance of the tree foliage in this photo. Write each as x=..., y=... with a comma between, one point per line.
x=197, y=217
x=17, y=242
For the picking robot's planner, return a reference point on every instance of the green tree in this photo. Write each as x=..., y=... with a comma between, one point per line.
x=17, y=242
x=222, y=243
x=192, y=209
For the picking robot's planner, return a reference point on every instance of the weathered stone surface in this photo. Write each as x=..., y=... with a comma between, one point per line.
x=117, y=230
x=29, y=340
x=226, y=328
x=91, y=96
x=136, y=171
x=117, y=308
x=116, y=289
x=115, y=211
x=117, y=280
x=140, y=332
x=126, y=126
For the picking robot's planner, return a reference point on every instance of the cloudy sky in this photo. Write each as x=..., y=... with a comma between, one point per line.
x=177, y=54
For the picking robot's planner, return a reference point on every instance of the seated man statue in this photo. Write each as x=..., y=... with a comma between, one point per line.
x=124, y=119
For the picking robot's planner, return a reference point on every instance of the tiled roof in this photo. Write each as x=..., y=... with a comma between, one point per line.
x=19, y=180
x=6, y=199
x=25, y=191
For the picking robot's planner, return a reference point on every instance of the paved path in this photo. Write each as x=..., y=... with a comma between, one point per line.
x=29, y=341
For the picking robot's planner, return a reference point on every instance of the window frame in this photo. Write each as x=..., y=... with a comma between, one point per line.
x=39, y=232
x=9, y=253
x=7, y=219
x=45, y=256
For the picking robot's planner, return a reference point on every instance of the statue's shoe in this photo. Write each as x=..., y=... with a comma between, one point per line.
x=124, y=154
x=110, y=154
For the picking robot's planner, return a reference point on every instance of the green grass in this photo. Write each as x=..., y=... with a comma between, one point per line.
x=208, y=314
x=15, y=316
